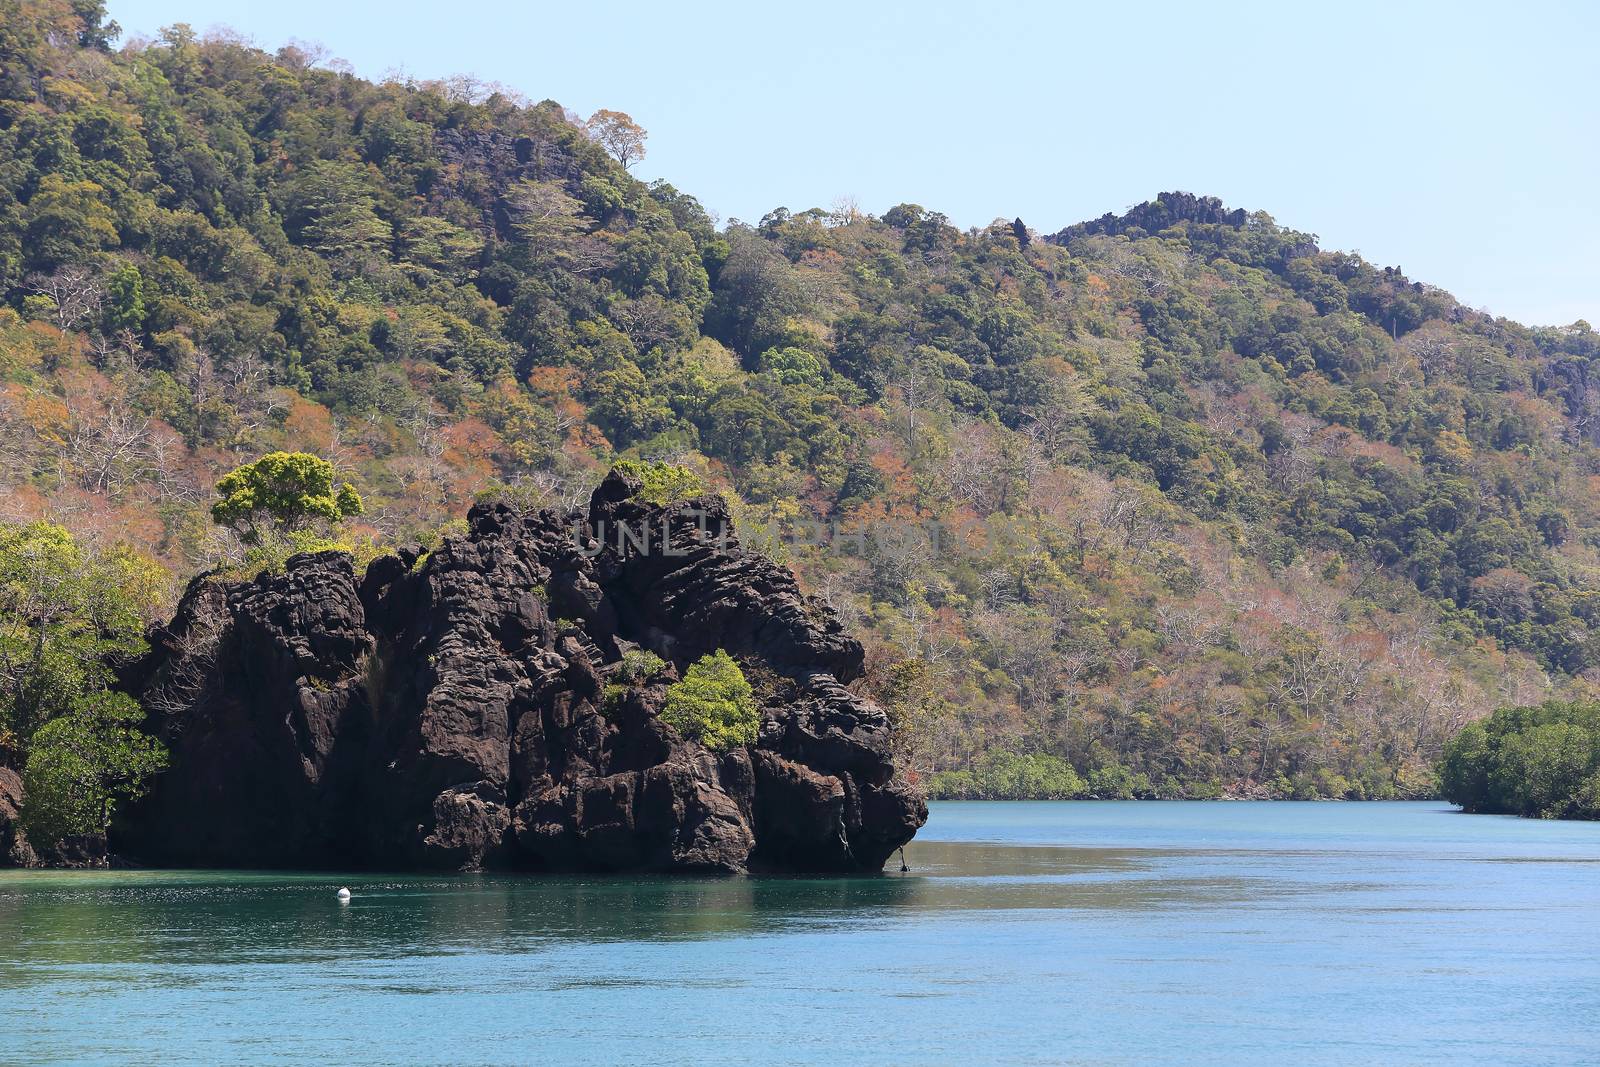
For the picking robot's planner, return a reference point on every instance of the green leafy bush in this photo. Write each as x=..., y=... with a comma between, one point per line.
x=274, y=550
x=1010, y=776
x=714, y=704
x=663, y=483
x=638, y=666
x=1113, y=781
x=1541, y=762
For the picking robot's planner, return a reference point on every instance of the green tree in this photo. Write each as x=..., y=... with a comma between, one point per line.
x=81, y=765
x=1539, y=761
x=626, y=407
x=68, y=618
x=1464, y=768
x=67, y=221
x=1539, y=771
x=337, y=204
x=714, y=704
x=280, y=493
x=125, y=308
x=793, y=366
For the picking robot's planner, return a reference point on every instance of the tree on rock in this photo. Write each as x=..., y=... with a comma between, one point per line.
x=714, y=704
x=281, y=493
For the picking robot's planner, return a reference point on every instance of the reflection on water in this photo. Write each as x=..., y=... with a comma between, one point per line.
x=1076, y=933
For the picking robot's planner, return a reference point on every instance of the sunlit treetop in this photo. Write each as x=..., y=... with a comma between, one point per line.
x=282, y=490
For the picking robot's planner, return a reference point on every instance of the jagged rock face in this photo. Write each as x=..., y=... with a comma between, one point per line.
x=456, y=713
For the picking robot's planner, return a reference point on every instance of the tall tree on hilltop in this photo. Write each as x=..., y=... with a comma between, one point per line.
x=617, y=133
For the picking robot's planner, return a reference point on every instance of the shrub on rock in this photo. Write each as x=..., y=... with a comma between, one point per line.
x=714, y=704
x=662, y=483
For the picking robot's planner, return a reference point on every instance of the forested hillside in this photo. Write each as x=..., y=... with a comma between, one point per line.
x=1220, y=512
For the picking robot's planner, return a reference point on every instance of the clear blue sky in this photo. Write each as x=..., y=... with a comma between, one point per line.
x=1460, y=141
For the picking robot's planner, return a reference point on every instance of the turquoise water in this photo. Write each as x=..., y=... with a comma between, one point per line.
x=1082, y=933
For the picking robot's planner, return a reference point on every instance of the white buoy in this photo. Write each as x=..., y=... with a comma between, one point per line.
x=344, y=896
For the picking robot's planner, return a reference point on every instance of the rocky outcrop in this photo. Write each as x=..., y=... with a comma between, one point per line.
x=478, y=167
x=14, y=850
x=472, y=709
x=1154, y=216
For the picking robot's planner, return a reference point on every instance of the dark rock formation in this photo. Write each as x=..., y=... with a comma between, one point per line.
x=1153, y=216
x=14, y=850
x=467, y=710
x=479, y=166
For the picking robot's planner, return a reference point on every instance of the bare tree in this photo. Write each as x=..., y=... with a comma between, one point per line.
x=900, y=554
x=1437, y=703
x=1434, y=353
x=554, y=228
x=1122, y=260
x=302, y=55
x=972, y=468
x=247, y=387
x=1133, y=519
x=1025, y=462
x=188, y=669
x=76, y=292
x=648, y=321
x=106, y=451
x=1294, y=466
x=167, y=473
x=1023, y=645
x=547, y=488
x=588, y=253
x=1063, y=405
x=426, y=425
x=916, y=384
x=845, y=210
x=1188, y=628
x=842, y=593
